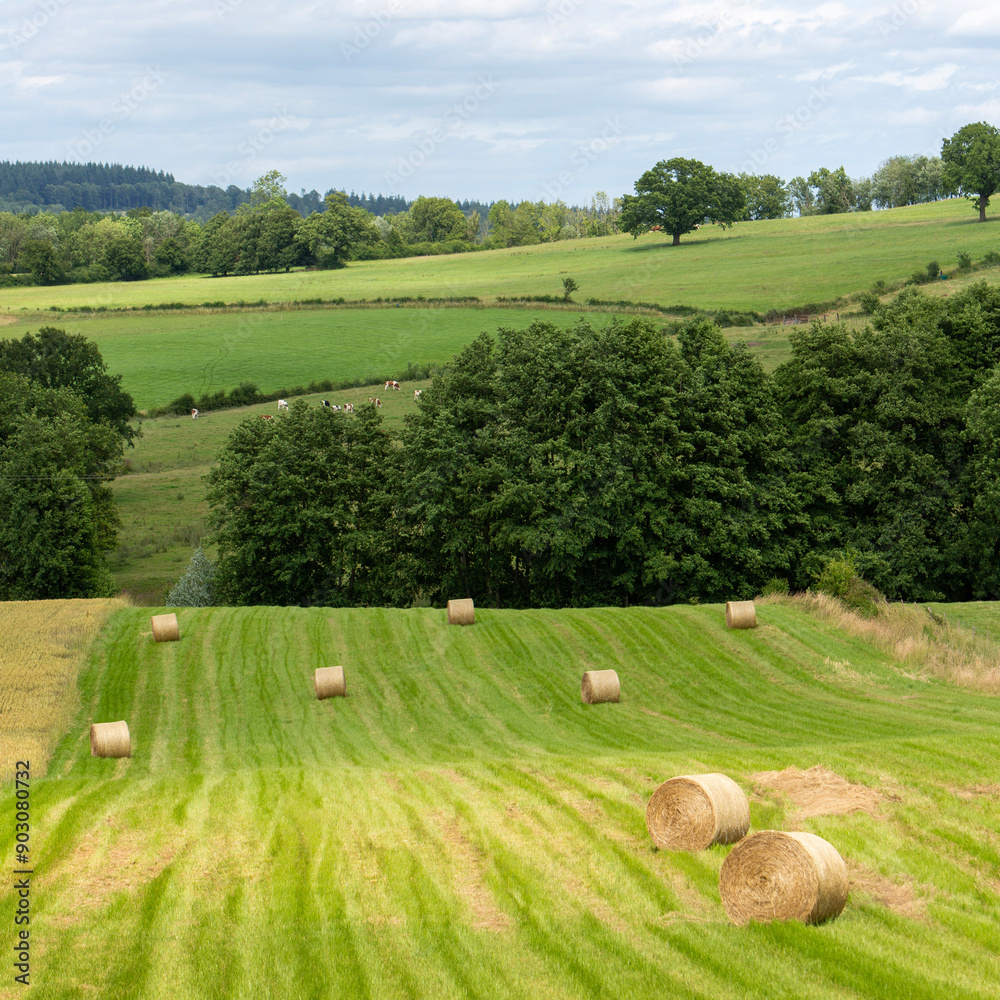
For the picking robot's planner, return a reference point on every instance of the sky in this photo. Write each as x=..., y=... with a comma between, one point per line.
x=514, y=99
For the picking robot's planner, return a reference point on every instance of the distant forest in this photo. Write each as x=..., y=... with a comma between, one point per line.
x=111, y=187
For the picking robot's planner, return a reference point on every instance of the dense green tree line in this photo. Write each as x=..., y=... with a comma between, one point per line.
x=267, y=232
x=613, y=466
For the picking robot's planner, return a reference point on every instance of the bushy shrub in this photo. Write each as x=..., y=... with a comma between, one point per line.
x=195, y=589
x=776, y=585
x=991, y=258
x=964, y=260
x=933, y=269
x=840, y=578
x=245, y=394
x=182, y=404
x=869, y=302
x=732, y=317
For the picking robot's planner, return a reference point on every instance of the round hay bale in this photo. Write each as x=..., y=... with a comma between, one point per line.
x=741, y=614
x=330, y=683
x=462, y=612
x=599, y=686
x=783, y=876
x=692, y=812
x=165, y=628
x=110, y=739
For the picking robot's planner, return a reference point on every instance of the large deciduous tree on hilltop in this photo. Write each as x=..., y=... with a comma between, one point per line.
x=680, y=194
x=972, y=163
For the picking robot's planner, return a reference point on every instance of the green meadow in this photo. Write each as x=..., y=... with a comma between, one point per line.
x=462, y=826
x=162, y=355
x=776, y=264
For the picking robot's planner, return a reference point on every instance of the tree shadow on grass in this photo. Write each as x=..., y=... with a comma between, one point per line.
x=684, y=244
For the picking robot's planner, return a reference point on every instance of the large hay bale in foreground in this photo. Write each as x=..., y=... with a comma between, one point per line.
x=165, y=628
x=783, y=876
x=110, y=739
x=330, y=682
x=741, y=614
x=461, y=612
x=599, y=686
x=692, y=812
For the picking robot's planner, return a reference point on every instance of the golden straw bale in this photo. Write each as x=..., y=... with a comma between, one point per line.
x=692, y=812
x=599, y=686
x=110, y=739
x=461, y=612
x=330, y=682
x=783, y=876
x=165, y=628
x=741, y=614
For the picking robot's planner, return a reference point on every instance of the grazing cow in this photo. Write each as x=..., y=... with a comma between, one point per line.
x=416, y=393
x=378, y=402
x=371, y=399
x=282, y=404
x=349, y=407
x=323, y=402
x=336, y=407
x=194, y=414
x=266, y=416
x=392, y=385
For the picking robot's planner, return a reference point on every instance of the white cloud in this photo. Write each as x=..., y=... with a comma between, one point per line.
x=936, y=79
x=824, y=73
x=978, y=22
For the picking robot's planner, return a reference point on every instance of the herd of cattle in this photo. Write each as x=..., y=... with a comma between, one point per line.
x=345, y=408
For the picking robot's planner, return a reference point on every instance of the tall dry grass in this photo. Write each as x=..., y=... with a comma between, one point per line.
x=921, y=642
x=43, y=644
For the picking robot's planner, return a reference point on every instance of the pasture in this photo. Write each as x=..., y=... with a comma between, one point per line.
x=776, y=264
x=461, y=825
x=160, y=356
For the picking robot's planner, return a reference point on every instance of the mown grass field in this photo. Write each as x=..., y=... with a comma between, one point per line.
x=775, y=264
x=162, y=500
x=461, y=825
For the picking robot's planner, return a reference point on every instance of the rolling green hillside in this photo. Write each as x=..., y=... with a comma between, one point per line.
x=776, y=264
x=461, y=825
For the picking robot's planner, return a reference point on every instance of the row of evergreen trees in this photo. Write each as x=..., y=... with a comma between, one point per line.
x=587, y=466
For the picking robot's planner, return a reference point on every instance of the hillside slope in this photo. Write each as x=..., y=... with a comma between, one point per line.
x=772, y=264
x=461, y=825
